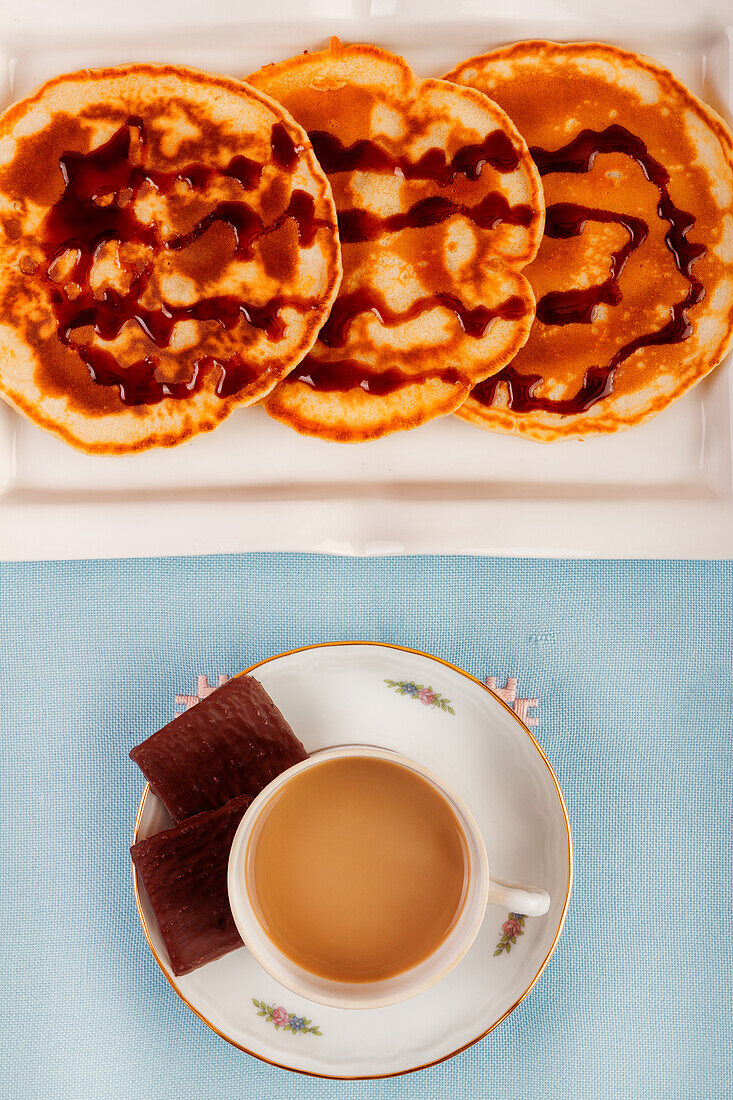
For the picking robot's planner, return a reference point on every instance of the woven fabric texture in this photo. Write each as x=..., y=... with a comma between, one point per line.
x=632, y=664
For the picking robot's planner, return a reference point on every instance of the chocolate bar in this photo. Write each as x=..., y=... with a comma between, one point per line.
x=231, y=743
x=184, y=870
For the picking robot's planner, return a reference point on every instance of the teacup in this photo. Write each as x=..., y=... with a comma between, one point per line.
x=271, y=860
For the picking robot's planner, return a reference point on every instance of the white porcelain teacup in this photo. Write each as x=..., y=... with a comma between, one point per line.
x=479, y=889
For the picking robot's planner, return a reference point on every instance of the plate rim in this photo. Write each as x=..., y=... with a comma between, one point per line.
x=445, y=1057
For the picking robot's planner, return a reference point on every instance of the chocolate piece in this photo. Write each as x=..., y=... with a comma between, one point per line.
x=184, y=870
x=231, y=743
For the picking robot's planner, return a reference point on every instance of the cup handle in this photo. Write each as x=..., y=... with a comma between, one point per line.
x=518, y=898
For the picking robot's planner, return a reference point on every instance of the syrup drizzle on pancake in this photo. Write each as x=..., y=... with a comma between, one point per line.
x=578, y=156
x=98, y=206
x=363, y=225
x=349, y=374
x=284, y=150
x=108, y=316
x=567, y=219
x=140, y=386
x=356, y=226
x=367, y=156
x=474, y=321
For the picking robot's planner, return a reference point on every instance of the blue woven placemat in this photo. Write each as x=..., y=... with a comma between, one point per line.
x=632, y=667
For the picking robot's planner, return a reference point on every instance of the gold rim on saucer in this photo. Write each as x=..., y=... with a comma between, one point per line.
x=495, y=1024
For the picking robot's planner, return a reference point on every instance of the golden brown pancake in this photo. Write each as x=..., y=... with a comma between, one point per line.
x=634, y=279
x=439, y=208
x=168, y=251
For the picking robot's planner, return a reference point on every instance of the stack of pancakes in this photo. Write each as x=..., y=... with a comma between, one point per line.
x=541, y=242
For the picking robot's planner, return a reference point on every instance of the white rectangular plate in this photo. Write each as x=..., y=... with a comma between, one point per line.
x=664, y=489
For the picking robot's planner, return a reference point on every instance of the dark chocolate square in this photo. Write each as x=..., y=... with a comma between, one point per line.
x=184, y=871
x=233, y=742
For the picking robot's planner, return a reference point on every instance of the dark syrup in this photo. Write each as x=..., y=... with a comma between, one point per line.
x=97, y=206
x=363, y=225
x=367, y=156
x=356, y=226
x=565, y=307
x=474, y=321
x=578, y=306
x=348, y=374
x=285, y=152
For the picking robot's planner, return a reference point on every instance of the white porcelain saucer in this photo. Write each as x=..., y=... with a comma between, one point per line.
x=442, y=717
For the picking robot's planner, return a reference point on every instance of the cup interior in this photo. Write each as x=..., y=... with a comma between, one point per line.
x=362, y=994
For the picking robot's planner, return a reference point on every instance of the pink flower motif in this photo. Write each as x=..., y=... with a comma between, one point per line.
x=280, y=1017
x=511, y=928
x=426, y=696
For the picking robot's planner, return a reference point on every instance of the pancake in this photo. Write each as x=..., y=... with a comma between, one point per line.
x=634, y=278
x=168, y=251
x=439, y=207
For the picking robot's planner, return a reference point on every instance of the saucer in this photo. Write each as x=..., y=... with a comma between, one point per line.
x=442, y=717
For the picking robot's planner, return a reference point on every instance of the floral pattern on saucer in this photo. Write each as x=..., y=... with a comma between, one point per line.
x=425, y=694
x=284, y=1020
x=512, y=927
